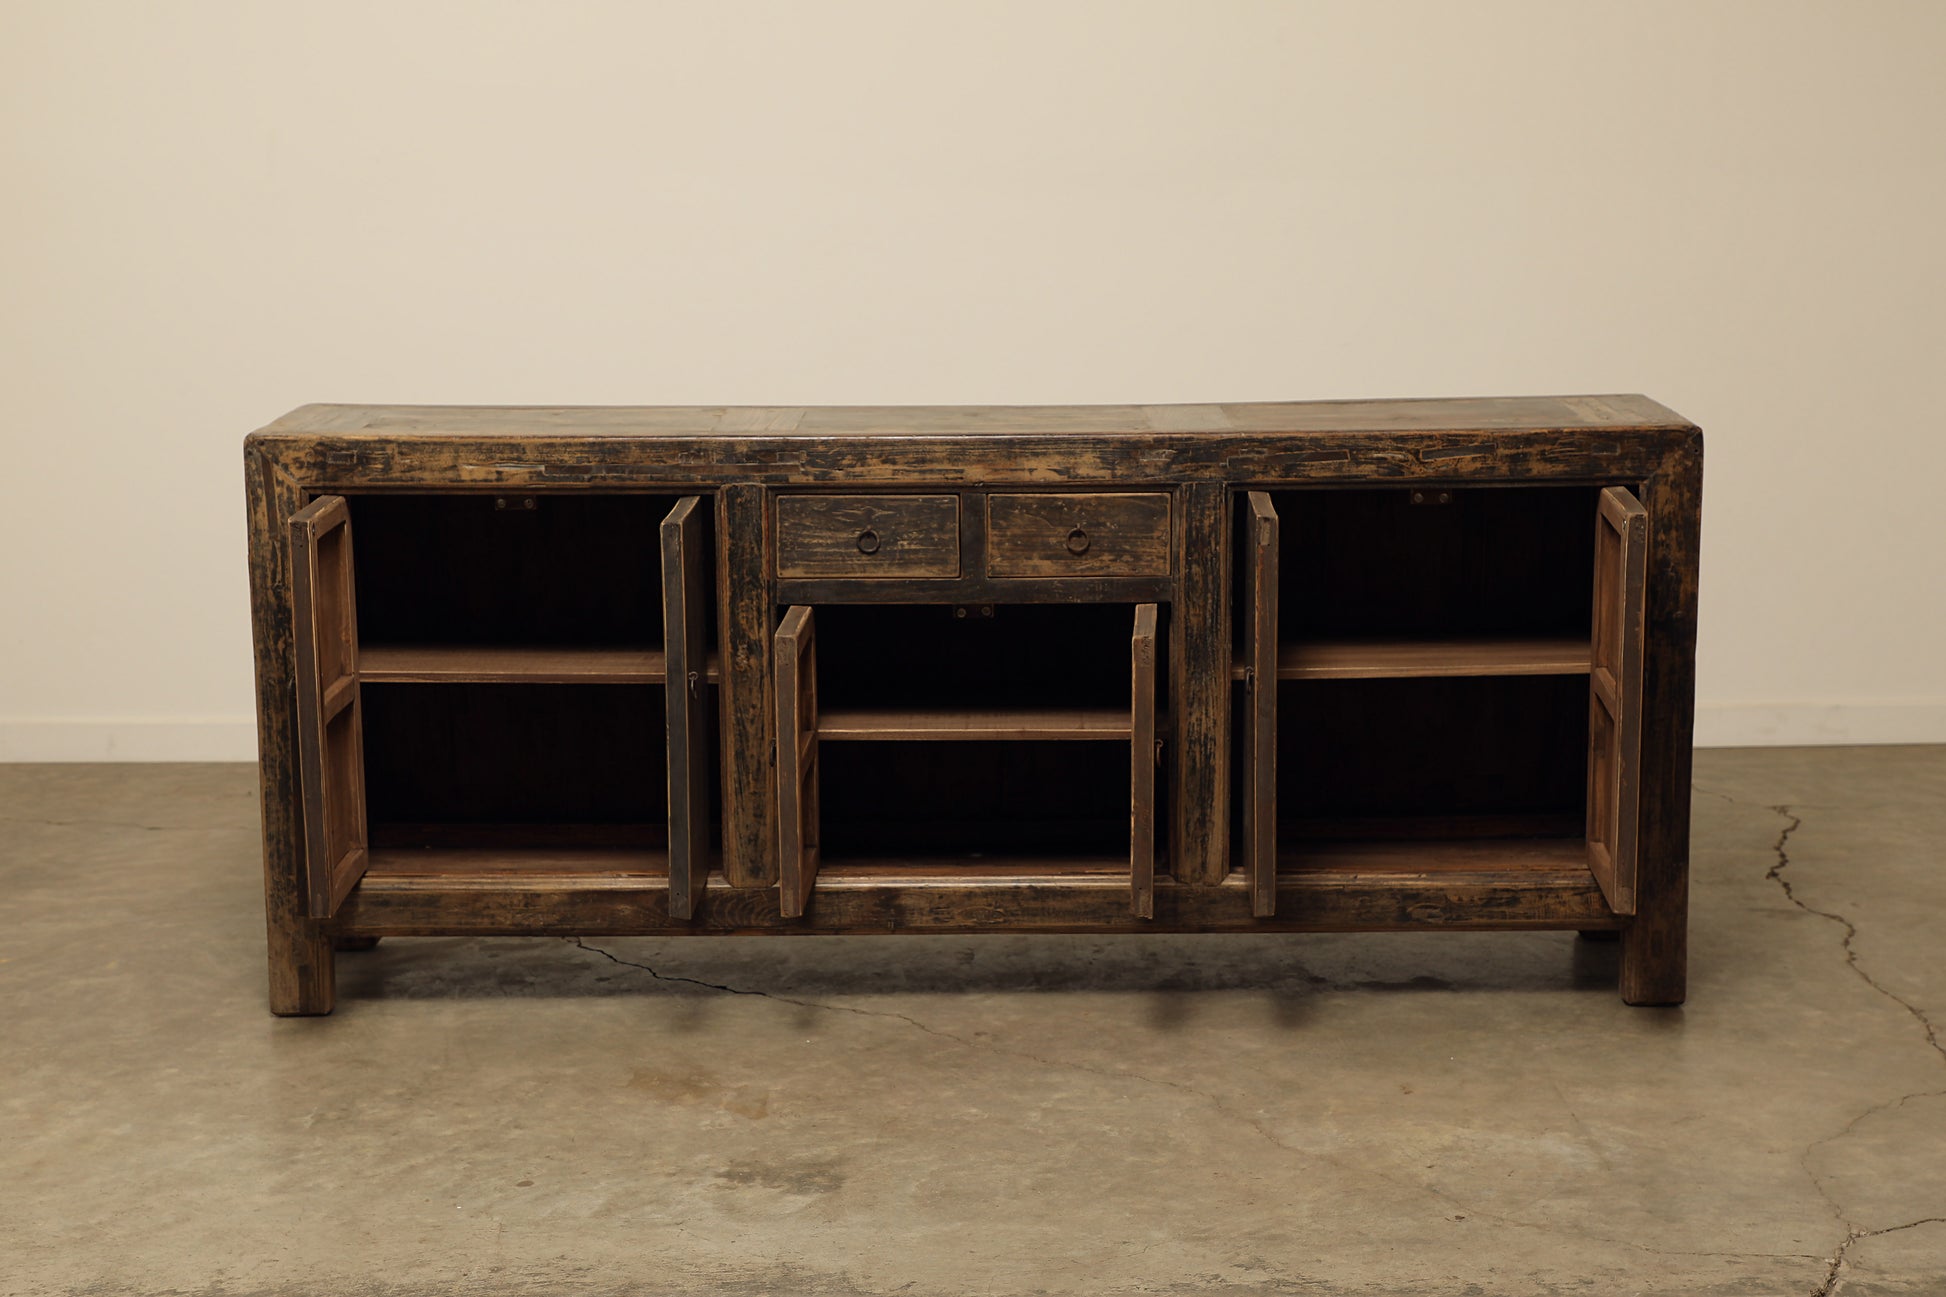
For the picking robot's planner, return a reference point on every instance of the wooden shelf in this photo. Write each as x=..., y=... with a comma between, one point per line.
x=950, y=870
x=1301, y=832
x=512, y=664
x=1567, y=856
x=551, y=834
x=518, y=861
x=900, y=724
x=1397, y=659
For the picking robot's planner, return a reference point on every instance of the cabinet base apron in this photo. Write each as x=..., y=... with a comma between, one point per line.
x=1056, y=902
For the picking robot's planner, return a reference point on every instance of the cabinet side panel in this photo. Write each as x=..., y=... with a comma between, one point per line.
x=301, y=961
x=1199, y=686
x=749, y=752
x=1655, y=945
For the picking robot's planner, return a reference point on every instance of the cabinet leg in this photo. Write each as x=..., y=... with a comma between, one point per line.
x=1599, y=934
x=303, y=971
x=1655, y=944
x=1655, y=958
x=349, y=945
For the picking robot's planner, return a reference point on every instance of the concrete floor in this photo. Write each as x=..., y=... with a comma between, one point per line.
x=1378, y=1115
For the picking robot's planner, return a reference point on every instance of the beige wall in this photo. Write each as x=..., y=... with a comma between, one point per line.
x=213, y=212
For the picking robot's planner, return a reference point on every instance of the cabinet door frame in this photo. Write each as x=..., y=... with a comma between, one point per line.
x=686, y=703
x=797, y=759
x=330, y=711
x=1617, y=641
x=1142, y=762
x=1261, y=540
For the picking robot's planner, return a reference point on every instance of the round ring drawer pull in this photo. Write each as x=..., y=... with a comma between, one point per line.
x=868, y=541
x=1077, y=541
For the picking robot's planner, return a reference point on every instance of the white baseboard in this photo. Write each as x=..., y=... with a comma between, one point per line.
x=229, y=738
x=181, y=738
x=1772, y=725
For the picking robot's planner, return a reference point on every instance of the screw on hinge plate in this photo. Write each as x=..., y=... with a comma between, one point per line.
x=525, y=503
x=973, y=612
x=1432, y=497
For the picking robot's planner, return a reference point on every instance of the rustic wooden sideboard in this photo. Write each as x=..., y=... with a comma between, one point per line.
x=1329, y=666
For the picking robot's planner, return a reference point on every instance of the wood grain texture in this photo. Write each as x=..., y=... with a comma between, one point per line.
x=1142, y=762
x=486, y=837
x=1290, y=418
x=685, y=600
x=1402, y=659
x=1199, y=662
x=989, y=724
x=1078, y=533
x=1435, y=830
x=1260, y=668
x=745, y=620
x=484, y=567
x=511, y=864
x=1436, y=857
x=302, y=963
x=867, y=536
x=1520, y=887
x=330, y=721
x=974, y=588
x=919, y=463
x=1655, y=944
x=1196, y=456
x=516, y=753
x=1615, y=695
x=513, y=664
x=797, y=760
x=679, y=448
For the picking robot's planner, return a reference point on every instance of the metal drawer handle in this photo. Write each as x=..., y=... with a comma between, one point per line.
x=1077, y=541
x=868, y=541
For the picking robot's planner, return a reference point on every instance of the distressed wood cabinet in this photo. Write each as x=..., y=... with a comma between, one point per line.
x=1219, y=668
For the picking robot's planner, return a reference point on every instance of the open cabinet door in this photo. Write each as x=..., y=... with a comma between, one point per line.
x=1615, y=695
x=1260, y=702
x=1141, y=764
x=797, y=760
x=687, y=705
x=330, y=725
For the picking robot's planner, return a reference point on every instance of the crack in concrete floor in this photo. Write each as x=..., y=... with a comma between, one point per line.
x=1848, y=1266
x=1776, y=874
x=1834, y=1277
x=1838, y=1261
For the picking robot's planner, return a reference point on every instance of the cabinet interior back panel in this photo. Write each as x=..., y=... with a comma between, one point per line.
x=521, y=753
x=967, y=800
x=1505, y=746
x=463, y=569
x=1495, y=560
x=1024, y=655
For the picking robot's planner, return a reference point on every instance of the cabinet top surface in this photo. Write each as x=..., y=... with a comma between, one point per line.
x=1463, y=414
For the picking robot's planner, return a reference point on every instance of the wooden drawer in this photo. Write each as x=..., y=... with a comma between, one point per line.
x=1097, y=534
x=868, y=535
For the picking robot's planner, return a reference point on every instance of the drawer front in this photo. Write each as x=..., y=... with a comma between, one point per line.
x=1106, y=534
x=867, y=535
